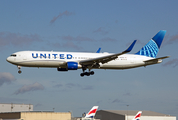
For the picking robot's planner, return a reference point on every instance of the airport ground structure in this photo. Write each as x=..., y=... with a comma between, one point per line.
x=25, y=112
x=129, y=115
x=35, y=116
x=15, y=107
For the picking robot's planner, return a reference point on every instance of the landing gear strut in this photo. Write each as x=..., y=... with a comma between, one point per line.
x=19, y=67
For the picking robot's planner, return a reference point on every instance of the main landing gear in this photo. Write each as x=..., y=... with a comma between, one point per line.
x=19, y=67
x=86, y=73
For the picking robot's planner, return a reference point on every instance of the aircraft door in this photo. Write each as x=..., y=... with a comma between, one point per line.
x=132, y=60
x=24, y=57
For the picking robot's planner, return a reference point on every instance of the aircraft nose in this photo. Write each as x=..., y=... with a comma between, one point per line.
x=9, y=59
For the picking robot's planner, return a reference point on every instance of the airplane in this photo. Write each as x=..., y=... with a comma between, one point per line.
x=137, y=116
x=91, y=113
x=65, y=61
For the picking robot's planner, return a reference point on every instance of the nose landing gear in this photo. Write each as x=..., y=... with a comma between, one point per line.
x=19, y=67
x=19, y=71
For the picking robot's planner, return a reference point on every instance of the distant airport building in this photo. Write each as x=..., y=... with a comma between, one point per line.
x=80, y=118
x=35, y=116
x=129, y=115
x=15, y=107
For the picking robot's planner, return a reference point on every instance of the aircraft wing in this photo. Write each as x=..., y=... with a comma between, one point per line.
x=106, y=58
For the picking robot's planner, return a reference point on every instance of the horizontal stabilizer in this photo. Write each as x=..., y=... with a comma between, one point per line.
x=156, y=60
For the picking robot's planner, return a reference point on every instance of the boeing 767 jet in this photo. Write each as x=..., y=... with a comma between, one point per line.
x=65, y=61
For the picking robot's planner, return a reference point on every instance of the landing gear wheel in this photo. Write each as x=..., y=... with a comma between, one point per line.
x=92, y=73
x=87, y=73
x=19, y=71
x=82, y=74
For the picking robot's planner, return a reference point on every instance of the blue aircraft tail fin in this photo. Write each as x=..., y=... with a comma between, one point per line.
x=152, y=47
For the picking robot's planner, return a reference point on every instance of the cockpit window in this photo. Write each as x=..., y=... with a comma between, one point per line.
x=13, y=55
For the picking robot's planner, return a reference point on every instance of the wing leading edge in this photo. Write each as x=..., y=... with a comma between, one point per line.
x=106, y=58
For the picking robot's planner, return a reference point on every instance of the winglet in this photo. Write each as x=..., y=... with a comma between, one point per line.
x=130, y=47
x=98, y=51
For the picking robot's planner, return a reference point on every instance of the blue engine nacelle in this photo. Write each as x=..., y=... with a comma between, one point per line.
x=70, y=66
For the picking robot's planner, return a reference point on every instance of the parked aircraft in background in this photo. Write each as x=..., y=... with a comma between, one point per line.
x=137, y=116
x=65, y=61
x=91, y=113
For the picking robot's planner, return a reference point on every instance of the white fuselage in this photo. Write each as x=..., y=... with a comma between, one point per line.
x=56, y=59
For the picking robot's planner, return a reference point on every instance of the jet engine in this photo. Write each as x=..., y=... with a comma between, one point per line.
x=70, y=66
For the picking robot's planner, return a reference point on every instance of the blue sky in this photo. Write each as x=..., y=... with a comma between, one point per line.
x=85, y=26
